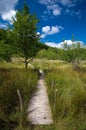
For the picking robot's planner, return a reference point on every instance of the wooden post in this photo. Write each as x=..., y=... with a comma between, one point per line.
x=21, y=106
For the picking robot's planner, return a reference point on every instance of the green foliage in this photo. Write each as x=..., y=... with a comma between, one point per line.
x=5, y=46
x=50, y=53
x=5, y=51
x=70, y=53
x=74, y=54
x=41, y=54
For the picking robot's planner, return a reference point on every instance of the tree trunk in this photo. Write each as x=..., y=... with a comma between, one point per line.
x=26, y=63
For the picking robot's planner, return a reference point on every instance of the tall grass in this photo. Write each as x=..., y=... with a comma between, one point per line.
x=66, y=89
x=10, y=81
x=67, y=94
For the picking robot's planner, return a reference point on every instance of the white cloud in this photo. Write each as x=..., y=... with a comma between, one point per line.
x=7, y=9
x=60, y=45
x=54, y=30
x=74, y=13
x=68, y=3
x=69, y=43
x=52, y=44
x=38, y=33
x=52, y=7
x=55, y=2
x=7, y=5
x=42, y=36
x=56, y=12
x=47, y=30
x=46, y=2
x=8, y=15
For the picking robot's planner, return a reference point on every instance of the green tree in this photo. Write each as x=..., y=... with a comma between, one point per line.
x=72, y=53
x=5, y=46
x=25, y=34
x=51, y=54
x=42, y=54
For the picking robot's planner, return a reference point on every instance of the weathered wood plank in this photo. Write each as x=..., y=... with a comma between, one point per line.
x=39, y=111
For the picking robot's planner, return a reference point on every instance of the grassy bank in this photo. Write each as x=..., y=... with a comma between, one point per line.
x=12, y=80
x=67, y=94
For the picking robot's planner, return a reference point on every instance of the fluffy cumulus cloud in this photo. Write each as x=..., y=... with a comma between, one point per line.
x=47, y=30
x=60, y=45
x=8, y=16
x=7, y=9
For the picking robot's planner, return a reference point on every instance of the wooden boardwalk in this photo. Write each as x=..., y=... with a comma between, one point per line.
x=39, y=111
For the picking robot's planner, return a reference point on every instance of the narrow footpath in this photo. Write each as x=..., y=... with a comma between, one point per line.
x=39, y=112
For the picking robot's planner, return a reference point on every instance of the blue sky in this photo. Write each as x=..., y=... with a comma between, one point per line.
x=59, y=19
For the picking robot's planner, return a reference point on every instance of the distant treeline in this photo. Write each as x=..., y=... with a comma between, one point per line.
x=62, y=54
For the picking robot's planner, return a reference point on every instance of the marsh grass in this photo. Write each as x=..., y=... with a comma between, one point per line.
x=67, y=94
x=45, y=64
x=66, y=89
x=10, y=81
